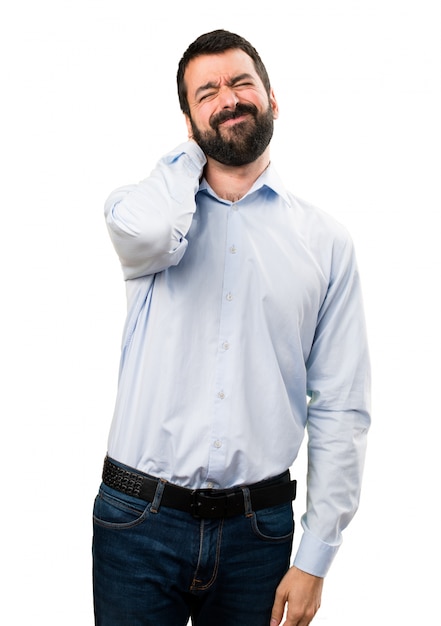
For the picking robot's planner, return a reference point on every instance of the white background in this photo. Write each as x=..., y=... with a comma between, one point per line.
x=88, y=104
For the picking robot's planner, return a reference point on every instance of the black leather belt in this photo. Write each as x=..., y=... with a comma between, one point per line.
x=207, y=503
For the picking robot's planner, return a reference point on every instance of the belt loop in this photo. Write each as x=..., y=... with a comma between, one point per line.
x=247, y=502
x=158, y=495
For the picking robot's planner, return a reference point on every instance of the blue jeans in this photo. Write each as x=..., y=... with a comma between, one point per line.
x=155, y=565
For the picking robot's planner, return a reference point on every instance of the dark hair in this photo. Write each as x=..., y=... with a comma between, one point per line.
x=216, y=42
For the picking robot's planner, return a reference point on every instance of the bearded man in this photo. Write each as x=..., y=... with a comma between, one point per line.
x=245, y=328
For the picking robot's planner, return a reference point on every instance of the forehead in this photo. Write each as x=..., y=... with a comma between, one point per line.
x=216, y=68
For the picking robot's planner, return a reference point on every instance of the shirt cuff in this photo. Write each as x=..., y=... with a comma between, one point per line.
x=197, y=158
x=314, y=556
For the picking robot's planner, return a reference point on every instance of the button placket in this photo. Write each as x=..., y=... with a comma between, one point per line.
x=225, y=354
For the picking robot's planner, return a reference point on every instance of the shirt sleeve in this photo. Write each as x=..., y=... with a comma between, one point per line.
x=338, y=414
x=148, y=221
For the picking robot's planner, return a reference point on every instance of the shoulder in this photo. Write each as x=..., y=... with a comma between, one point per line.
x=326, y=240
x=315, y=217
x=310, y=221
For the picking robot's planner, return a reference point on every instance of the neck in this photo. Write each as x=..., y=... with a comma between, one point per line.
x=233, y=182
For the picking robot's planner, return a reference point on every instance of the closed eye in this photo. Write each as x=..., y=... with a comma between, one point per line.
x=244, y=80
x=211, y=94
x=207, y=95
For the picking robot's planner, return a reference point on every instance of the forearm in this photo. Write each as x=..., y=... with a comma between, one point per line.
x=148, y=222
x=338, y=415
x=336, y=452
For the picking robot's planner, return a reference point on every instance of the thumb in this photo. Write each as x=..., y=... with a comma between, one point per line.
x=277, y=611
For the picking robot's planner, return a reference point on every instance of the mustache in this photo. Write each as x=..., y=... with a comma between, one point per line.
x=223, y=116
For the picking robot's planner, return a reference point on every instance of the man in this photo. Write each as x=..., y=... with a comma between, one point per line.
x=244, y=327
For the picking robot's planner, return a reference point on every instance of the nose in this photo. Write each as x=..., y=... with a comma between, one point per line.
x=228, y=98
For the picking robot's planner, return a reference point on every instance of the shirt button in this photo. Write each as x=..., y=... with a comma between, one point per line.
x=221, y=395
x=210, y=485
x=233, y=249
x=234, y=207
x=229, y=296
x=218, y=444
x=225, y=345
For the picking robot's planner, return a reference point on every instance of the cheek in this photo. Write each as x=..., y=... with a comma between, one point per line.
x=203, y=115
x=202, y=126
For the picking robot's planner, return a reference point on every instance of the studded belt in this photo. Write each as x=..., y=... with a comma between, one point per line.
x=204, y=503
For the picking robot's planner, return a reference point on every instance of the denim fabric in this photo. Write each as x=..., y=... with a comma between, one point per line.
x=156, y=565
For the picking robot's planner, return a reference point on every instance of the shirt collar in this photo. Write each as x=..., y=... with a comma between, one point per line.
x=269, y=178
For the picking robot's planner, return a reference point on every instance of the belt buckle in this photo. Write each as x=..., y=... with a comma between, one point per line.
x=201, y=505
x=195, y=502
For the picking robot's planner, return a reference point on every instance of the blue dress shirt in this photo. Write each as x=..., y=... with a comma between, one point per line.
x=245, y=326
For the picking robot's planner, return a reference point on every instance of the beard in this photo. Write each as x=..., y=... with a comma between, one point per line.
x=241, y=143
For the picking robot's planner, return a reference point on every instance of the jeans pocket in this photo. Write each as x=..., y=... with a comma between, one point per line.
x=275, y=524
x=113, y=509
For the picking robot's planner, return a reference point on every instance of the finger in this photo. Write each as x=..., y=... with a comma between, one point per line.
x=277, y=611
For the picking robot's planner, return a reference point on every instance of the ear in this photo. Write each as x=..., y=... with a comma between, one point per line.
x=189, y=128
x=273, y=104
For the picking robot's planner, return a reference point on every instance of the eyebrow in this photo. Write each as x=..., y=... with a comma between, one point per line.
x=213, y=85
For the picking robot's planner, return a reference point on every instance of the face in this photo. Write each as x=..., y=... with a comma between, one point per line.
x=231, y=115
